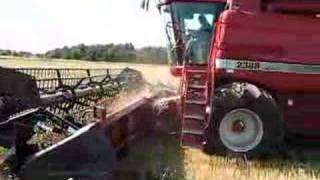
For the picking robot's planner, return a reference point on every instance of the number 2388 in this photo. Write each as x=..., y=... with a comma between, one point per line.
x=248, y=65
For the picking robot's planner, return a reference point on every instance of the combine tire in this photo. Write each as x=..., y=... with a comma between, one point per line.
x=246, y=122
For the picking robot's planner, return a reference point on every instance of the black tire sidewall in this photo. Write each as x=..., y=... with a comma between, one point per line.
x=263, y=105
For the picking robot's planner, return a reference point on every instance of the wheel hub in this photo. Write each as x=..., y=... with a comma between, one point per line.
x=241, y=130
x=238, y=126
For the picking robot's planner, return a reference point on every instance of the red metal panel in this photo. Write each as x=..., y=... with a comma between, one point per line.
x=247, y=5
x=302, y=116
x=268, y=37
x=283, y=82
x=298, y=6
x=176, y=70
x=277, y=39
x=195, y=1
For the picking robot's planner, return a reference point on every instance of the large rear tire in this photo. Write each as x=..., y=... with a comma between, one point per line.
x=246, y=121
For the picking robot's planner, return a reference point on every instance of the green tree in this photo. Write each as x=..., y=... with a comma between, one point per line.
x=76, y=55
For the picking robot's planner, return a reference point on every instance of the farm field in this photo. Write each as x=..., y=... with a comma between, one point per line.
x=154, y=74
x=164, y=159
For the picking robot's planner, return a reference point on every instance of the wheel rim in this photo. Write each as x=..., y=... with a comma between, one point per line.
x=241, y=130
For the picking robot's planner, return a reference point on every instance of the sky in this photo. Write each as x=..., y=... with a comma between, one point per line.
x=41, y=25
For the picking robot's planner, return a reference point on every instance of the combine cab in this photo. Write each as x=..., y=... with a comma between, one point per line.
x=249, y=72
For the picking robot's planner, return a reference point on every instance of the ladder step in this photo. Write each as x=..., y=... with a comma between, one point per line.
x=191, y=145
x=193, y=132
x=195, y=92
x=194, y=126
x=196, y=117
x=196, y=86
x=191, y=141
x=195, y=96
x=196, y=77
x=198, y=99
x=197, y=80
x=196, y=102
x=196, y=71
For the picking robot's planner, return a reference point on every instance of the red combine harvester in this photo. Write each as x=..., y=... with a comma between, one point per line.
x=250, y=71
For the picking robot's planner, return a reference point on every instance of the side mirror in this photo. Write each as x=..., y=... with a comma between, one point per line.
x=145, y=5
x=166, y=9
x=163, y=8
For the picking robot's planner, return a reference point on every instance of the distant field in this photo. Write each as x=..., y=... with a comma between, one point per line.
x=165, y=155
x=155, y=74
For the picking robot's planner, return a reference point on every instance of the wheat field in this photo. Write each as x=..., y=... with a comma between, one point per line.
x=164, y=159
x=155, y=74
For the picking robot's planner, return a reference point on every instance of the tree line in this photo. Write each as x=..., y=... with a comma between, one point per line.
x=102, y=52
x=5, y=52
